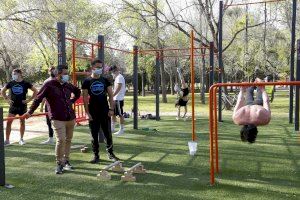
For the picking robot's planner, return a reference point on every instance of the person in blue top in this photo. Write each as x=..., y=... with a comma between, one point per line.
x=95, y=90
x=17, y=100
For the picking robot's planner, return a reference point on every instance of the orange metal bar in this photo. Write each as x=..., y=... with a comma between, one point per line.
x=211, y=133
x=83, y=73
x=74, y=62
x=171, y=49
x=216, y=130
x=82, y=57
x=121, y=50
x=21, y=117
x=213, y=116
x=251, y=3
x=193, y=85
x=82, y=41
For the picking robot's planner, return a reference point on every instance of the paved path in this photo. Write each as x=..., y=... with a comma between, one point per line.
x=35, y=127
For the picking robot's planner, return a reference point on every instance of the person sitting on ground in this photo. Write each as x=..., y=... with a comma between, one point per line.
x=183, y=96
x=250, y=113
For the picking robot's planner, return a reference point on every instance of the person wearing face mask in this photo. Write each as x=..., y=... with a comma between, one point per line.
x=97, y=87
x=18, y=89
x=119, y=94
x=61, y=113
x=50, y=129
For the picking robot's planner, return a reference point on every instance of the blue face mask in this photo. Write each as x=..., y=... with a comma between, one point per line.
x=15, y=77
x=98, y=71
x=65, y=78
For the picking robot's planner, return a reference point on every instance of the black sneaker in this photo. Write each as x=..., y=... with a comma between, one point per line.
x=95, y=160
x=68, y=166
x=59, y=169
x=112, y=157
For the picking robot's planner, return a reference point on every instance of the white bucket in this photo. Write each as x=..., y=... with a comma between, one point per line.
x=192, y=147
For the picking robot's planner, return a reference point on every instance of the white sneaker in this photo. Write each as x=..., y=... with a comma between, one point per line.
x=120, y=132
x=177, y=118
x=22, y=142
x=49, y=141
x=6, y=142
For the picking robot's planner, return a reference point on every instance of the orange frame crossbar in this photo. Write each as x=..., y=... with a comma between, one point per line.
x=213, y=123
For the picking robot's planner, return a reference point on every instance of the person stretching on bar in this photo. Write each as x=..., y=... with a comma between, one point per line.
x=250, y=113
x=183, y=96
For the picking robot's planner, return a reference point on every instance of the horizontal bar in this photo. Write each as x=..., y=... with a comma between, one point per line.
x=84, y=58
x=111, y=165
x=257, y=83
x=121, y=50
x=21, y=117
x=82, y=41
x=252, y=3
x=171, y=49
x=83, y=73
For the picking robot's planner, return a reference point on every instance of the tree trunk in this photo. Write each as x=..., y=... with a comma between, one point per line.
x=203, y=80
x=143, y=84
x=171, y=83
x=162, y=77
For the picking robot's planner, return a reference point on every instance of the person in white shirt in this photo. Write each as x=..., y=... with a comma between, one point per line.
x=119, y=93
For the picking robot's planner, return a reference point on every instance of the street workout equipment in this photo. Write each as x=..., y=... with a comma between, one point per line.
x=115, y=167
x=222, y=9
x=213, y=123
x=135, y=169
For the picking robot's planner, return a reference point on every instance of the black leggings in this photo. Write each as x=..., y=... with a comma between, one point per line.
x=50, y=129
x=95, y=124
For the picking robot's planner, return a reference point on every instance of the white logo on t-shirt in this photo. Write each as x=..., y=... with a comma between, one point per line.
x=97, y=88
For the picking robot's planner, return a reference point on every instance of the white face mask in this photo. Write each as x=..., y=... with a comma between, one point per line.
x=98, y=71
x=15, y=77
x=65, y=78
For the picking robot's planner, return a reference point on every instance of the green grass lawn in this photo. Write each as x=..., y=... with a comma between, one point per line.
x=267, y=169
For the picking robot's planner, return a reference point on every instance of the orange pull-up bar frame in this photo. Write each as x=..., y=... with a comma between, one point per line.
x=213, y=123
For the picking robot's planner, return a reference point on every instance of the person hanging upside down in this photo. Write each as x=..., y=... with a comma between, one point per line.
x=250, y=113
x=183, y=96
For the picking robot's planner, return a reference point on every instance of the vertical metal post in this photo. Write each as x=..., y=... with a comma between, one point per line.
x=297, y=88
x=220, y=49
x=211, y=64
x=101, y=48
x=74, y=62
x=2, y=154
x=101, y=57
x=157, y=84
x=61, y=43
x=135, y=87
x=292, y=64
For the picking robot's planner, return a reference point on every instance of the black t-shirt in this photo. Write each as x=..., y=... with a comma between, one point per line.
x=97, y=89
x=18, y=91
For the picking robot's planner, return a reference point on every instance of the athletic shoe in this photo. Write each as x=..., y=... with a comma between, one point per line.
x=49, y=141
x=22, y=142
x=177, y=118
x=95, y=160
x=6, y=142
x=68, y=166
x=113, y=157
x=59, y=169
x=120, y=132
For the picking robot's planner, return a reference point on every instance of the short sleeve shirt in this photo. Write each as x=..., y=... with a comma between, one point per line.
x=120, y=96
x=18, y=91
x=97, y=89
